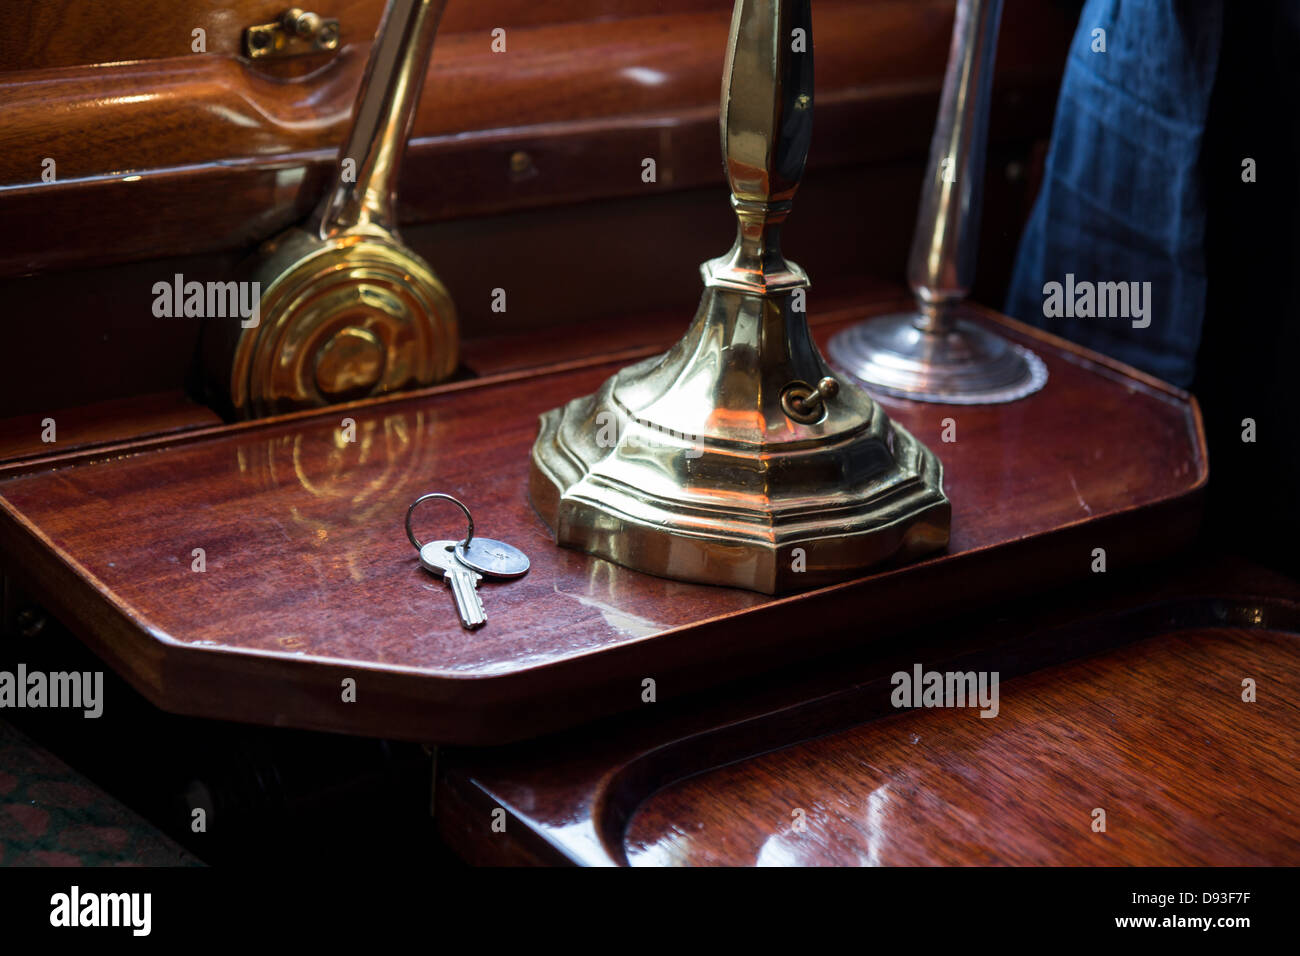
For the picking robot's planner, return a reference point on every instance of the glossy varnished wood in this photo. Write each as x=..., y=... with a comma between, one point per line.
x=523, y=252
x=128, y=421
x=232, y=154
x=223, y=153
x=212, y=107
x=1156, y=735
x=60, y=33
x=101, y=423
x=310, y=580
x=1127, y=701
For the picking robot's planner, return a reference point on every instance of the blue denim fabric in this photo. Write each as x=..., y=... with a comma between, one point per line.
x=1122, y=197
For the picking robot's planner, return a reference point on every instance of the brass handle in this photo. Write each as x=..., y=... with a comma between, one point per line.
x=348, y=311
x=381, y=121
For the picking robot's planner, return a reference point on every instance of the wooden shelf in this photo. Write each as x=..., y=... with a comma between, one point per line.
x=101, y=423
x=310, y=581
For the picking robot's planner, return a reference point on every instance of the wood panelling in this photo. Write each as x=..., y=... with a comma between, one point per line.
x=205, y=153
x=1155, y=734
x=100, y=423
x=58, y=33
x=229, y=156
x=205, y=109
x=565, y=269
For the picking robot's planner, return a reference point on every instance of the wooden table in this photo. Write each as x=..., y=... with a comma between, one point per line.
x=772, y=737
x=309, y=581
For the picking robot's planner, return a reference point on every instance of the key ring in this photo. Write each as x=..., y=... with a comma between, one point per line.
x=469, y=518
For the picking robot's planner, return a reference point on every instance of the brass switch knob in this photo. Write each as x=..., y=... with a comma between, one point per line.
x=805, y=404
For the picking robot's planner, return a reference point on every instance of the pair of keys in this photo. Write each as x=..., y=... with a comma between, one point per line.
x=462, y=564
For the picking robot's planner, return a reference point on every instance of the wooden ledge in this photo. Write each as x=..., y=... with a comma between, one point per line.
x=309, y=579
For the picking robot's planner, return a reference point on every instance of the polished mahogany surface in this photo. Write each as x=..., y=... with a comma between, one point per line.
x=84, y=426
x=634, y=65
x=38, y=34
x=1156, y=734
x=309, y=579
x=1136, y=712
x=207, y=152
x=522, y=164
x=134, y=352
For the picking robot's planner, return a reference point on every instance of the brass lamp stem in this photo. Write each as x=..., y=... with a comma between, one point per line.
x=767, y=89
x=736, y=458
x=346, y=309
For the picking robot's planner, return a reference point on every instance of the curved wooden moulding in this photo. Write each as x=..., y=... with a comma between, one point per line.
x=219, y=108
x=37, y=34
x=1136, y=712
x=308, y=578
x=220, y=152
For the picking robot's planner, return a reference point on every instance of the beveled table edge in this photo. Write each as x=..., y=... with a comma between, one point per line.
x=466, y=699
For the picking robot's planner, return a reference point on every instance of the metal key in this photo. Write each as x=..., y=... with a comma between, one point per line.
x=439, y=557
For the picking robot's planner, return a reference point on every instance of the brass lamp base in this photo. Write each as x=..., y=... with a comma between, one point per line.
x=735, y=458
x=953, y=362
x=689, y=466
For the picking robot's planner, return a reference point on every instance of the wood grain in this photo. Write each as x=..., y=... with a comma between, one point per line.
x=132, y=419
x=310, y=580
x=1129, y=701
x=221, y=154
x=60, y=33
x=256, y=156
x=529, y=253
x=1156, y=735
x=209, y=108
x=101, y=423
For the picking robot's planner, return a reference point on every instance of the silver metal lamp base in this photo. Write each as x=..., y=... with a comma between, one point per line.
x=962, y=365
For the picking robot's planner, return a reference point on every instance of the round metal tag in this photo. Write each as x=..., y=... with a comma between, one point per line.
x=493, y=558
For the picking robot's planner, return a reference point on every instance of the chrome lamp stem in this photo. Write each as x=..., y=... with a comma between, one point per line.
x=930, y=354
